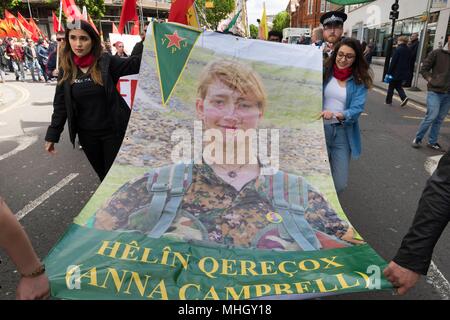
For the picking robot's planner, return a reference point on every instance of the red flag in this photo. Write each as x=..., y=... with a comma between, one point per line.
x=71, y=10
x=13, y=29
x=4, y=28
x=56, y=23
x=9, y=16
x=128, y=13
x=92, y=23
x=35, y=30
x=24, y=22
x=135, y=30
x=114, y=28
x=178, y=11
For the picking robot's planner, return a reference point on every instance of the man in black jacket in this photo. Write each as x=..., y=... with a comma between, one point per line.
x=436, y=70
x=414, y=256
x=413, y=47
x=399, y=68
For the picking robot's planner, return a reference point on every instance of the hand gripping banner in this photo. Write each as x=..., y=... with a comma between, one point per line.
x=222, y=187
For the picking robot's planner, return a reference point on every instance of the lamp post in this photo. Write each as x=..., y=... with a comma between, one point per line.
x=421, y=49
x=393, y=16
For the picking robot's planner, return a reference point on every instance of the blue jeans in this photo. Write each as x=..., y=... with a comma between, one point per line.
x=338, y=154
x=35, y=69
x=19, y=69
x=438, y=105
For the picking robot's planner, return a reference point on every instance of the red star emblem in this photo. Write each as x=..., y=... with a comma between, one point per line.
x=174, y=40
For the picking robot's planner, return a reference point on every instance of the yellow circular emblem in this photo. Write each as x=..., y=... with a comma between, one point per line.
x=274, y=217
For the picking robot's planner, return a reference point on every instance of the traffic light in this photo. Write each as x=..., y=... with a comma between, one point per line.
x=394, y=13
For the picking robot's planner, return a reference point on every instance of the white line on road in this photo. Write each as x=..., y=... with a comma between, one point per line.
x=23, y=141
x=24, y=95
x=434, y=276
x=33, y=204
x=438, y=281
x=431, y=163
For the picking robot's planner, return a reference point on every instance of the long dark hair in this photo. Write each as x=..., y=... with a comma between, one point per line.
x=361, y=72
x=67, y=63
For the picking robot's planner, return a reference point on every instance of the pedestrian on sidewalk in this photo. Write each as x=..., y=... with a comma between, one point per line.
x=86, y=96
x=346, y=81
x=433, y=214
x=399, y=69
x=369, y=51
x=413, y=46
x=33, y=283
x=436, y=70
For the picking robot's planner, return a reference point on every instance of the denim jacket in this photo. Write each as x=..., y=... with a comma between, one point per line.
x=354, y=105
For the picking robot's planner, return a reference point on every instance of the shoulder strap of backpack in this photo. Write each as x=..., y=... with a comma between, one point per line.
x=145, y=218
x=177, y=189
x=293, y=211
x=298, y=204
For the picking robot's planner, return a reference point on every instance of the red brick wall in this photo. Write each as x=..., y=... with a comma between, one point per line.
x=301, y=18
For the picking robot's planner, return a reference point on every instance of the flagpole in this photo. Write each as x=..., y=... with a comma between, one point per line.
x=60, y=15
x=29, y=9
x=141, y=13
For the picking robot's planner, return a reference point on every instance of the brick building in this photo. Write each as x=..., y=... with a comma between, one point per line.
x=307, y=13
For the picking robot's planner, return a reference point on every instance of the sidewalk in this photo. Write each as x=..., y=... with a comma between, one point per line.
x=419, y=97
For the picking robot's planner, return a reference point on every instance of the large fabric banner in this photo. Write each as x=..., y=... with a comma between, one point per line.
x=222, y=187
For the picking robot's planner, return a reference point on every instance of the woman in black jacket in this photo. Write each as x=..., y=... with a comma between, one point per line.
x=86, y=96
x=400, y=70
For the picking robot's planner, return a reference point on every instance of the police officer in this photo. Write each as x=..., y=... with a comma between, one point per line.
x=333, y=28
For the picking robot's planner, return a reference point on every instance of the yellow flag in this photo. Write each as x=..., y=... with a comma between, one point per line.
x=192, y=17
x=263, y=30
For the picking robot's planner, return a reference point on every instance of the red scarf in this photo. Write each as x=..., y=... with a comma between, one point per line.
x=342, y=74
x=85, y=61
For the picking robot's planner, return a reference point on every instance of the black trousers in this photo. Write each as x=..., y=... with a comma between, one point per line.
x=397, y=85
x=101, y=149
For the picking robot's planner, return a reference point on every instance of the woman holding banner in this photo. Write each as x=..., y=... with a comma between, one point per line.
x=346, y=81
x=86, y=96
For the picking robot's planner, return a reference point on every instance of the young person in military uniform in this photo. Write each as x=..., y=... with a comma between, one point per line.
x=227, y=204
x=333, y=28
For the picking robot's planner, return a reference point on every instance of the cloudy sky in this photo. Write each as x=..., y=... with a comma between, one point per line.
x=255, y=7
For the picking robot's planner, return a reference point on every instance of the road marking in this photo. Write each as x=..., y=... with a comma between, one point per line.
x=447, y=119
x=409, y=104
x=434, y=275
x=23, y=141
x=431, y=163
x=438, y=281
x=24, y=95
x=33, y=204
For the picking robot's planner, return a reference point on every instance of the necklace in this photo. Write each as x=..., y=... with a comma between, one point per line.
x=233, y=173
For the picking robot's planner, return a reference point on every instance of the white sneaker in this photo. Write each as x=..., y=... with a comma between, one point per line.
x=416, y=143
x=404, y=102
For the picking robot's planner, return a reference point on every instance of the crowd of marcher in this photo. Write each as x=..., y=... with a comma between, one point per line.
x=19, y=56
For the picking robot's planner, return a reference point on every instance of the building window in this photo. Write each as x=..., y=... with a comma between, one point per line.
x=323, y=5
x=328, y=5
x=310, y=6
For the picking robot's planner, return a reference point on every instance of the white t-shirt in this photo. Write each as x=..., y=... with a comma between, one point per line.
x=334, y=99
